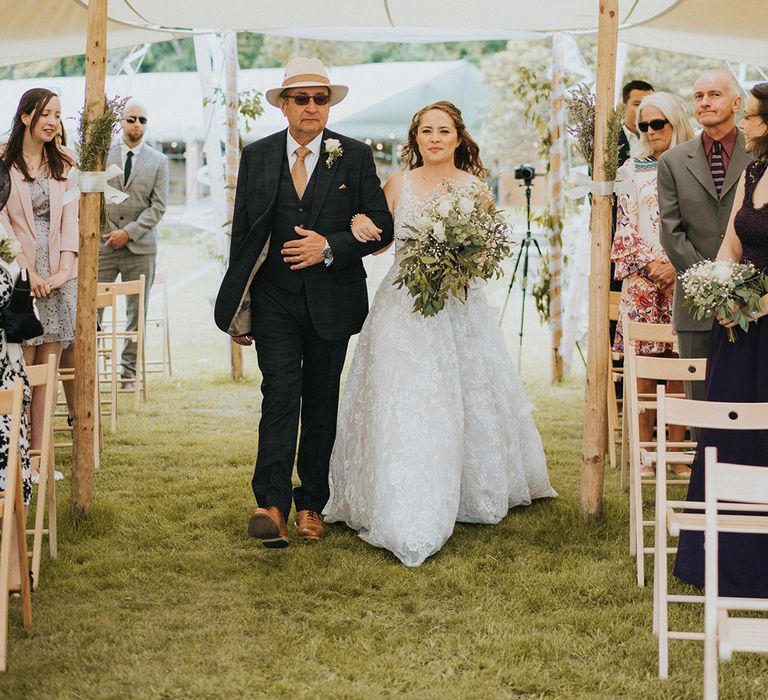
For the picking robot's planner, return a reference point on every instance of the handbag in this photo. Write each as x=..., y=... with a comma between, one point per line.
x=20, y=321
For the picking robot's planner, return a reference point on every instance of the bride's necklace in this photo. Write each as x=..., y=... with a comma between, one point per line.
x=433, y=181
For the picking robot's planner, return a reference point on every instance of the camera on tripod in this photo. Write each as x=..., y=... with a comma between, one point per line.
x=526, y=173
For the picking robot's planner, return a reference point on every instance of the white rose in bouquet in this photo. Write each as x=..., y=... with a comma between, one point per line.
x=438, y=230
x=466, y=205
x=444, y=206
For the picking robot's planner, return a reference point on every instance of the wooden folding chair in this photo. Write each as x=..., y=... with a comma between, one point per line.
x=126, y=289
x=67, y=374
x=659, y=369
x=106, y=356
x=12, y=514
x=615, y=375
x=727, y=485
x=674, y=516
x=61, y=414
x=162, y=323
x=44, y=376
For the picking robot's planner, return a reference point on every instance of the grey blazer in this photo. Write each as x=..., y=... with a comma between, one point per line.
x=148, y=190
x=693, y=218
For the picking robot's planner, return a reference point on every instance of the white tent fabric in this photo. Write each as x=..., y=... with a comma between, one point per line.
x=269, y=15
x=733, y=31
x=382, y=98
x=37, y=29
x=32, y=30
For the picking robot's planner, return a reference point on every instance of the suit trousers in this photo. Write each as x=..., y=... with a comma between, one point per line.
x=300, y=378
x=692, y=344
x=129, y=266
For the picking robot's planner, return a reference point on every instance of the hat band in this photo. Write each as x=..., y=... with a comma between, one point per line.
x=305, y=78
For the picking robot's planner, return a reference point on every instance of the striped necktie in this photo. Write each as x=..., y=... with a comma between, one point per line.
x=716, y=166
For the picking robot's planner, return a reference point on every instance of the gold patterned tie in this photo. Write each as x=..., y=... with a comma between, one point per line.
x=299, y=170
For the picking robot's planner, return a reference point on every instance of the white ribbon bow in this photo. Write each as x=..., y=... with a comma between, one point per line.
x=581, y=184
x=95, y=181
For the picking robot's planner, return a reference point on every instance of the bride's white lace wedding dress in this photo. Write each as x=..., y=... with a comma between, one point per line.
x=434, y=425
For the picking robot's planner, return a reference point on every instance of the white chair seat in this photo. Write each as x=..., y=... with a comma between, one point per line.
x=741, y=634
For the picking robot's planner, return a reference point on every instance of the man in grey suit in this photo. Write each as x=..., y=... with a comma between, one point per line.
x=129, y=242
x=697, y=183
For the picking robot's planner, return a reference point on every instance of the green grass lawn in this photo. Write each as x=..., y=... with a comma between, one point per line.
x=160, y=593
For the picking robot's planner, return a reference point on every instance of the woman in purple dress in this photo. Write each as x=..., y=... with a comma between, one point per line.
x=738, y=372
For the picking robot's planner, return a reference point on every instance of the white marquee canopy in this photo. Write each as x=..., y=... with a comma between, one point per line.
x=735, y=31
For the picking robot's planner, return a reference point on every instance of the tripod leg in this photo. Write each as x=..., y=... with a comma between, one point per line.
x=511, y=283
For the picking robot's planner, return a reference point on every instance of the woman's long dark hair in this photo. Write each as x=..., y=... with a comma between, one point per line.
x=467, y=154
x=34, y=102
x=760, y=145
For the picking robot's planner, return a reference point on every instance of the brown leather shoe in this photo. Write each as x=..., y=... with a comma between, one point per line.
x=309, y=525
x=268, y=524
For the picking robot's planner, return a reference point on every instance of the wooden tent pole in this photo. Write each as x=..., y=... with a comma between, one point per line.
x=556, y=206
x=88, y=266
x=595, y=407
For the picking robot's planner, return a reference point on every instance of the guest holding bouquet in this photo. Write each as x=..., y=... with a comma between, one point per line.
x=738, y=371
x=434, y=426
x=45, y=227
x=647, y=275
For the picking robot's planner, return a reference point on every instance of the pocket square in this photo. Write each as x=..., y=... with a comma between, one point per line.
x=342, y=186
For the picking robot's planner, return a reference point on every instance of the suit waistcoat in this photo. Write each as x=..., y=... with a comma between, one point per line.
x=289, y=211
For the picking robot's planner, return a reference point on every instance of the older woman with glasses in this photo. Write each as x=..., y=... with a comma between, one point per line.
x=647, y=274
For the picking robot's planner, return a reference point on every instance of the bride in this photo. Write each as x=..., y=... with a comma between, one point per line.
x=434, y=426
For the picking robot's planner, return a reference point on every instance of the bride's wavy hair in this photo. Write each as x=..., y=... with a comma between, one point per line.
x=467, y=154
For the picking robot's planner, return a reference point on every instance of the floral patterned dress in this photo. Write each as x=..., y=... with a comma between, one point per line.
x=57, y=313
x=635, y=245
x=11, y=368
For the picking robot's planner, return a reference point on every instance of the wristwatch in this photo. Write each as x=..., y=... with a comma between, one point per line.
x=327, y=254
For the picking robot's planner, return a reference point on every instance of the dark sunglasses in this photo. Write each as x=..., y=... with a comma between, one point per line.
x=303, y=100
x=655, y=124
x=132, y=120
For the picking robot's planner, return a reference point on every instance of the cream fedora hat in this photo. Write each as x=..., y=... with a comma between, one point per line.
x=306, y=72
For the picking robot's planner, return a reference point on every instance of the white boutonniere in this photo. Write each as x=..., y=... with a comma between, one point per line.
x=334, y=150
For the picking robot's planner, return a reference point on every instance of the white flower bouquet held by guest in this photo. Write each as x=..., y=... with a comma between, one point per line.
x=724, y=289
x=9, y=247
x=456, y=239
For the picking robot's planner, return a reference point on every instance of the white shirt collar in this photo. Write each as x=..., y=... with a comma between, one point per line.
x=632, y=137
x=124, y=148
x=313, y=145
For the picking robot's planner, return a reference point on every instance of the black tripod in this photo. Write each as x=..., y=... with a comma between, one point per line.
x=522, y=255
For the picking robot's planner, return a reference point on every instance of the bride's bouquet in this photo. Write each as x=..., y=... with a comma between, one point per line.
x=724, y=289
x=457, y=237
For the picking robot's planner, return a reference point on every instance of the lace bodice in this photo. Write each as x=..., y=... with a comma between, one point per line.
x=407, y=207
x=751, y=222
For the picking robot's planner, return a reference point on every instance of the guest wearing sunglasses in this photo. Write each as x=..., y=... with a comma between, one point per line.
x=647, y=276
x=296, y=288
x=129, y=241
x=697, y=185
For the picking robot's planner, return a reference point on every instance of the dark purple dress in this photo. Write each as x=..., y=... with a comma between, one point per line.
x=735, y=372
